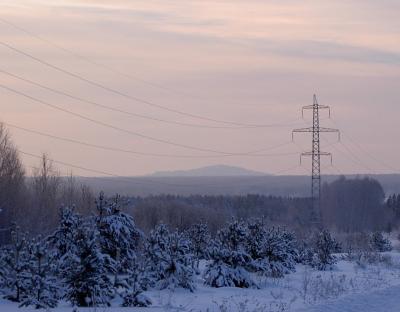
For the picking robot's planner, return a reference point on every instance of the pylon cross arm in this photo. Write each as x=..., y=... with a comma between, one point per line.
x=315, y=106
x=318, y=154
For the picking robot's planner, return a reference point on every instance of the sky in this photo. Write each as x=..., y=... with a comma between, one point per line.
x=218, y=82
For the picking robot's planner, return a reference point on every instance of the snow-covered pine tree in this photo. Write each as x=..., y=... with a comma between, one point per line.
x=200, y=238
x=170, y=262
x=86, y=271
x=118, y=235
x=63, y=240
x=14, y=267
x=42, y=290
x=280, y=251
x=272, y=250
x=379, y=243
x=230, y=259
x=324, y=247
x=136, y=284
x=305, y=253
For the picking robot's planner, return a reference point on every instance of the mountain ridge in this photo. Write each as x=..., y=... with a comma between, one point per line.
x=210, y=171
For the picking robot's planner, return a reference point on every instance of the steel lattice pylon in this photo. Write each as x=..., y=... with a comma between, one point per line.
x=316, y=156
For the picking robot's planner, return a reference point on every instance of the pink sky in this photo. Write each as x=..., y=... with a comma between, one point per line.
x=252, y=62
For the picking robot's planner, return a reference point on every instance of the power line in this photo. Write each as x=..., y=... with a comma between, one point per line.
x=371, y=156
x=97, y=171
x=95, y=121
x=143, y=180
x=358, y=159
x=90, y=61
x=354, y=158
x=384, y=164
x=122, y=94
x=337, y=169
x=90, y=102
x=113, y=149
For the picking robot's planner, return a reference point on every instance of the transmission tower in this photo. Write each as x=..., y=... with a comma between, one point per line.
x=316, y=154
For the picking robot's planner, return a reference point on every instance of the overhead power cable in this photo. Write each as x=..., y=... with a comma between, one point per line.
x=123, y=94
x=370, y=155
x=143, y=181
x=353, y=157
x=113, y=149
x=90, y=102
x=106, y=125
x=98, y=122
x=135, y=180
x=92, y=62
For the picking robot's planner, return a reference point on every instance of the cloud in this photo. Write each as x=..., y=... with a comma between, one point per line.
x=328, y=50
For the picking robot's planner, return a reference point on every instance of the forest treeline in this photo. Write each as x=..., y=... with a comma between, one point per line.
x=33, y=202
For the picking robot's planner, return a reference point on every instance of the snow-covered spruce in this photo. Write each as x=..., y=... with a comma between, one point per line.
x=169, y=261
x=272, y=250
x=42, y=290
x=324, y=247
x=230, y=259
x=379, y=243
x=86, y=271
x=14, y=267
x=199, y=237
x=63, y=240
x=136, y=283
x=118, y=235
x=305, y=253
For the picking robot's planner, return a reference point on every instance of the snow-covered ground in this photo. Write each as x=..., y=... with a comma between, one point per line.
x=350, y=287
x=385, y=300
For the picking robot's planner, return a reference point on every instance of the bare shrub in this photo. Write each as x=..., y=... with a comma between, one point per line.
x=12, y=184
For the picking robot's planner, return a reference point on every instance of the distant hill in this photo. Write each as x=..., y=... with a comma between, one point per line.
x=228, y=185
x=210, y=171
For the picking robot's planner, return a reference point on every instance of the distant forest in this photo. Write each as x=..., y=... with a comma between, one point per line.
x=348, y=204
x=286, y=186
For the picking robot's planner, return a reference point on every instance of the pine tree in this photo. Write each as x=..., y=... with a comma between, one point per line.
x=14, y=267
x=42, y=291
x=200, y=238
x=324, y=247
x=379, y=243
x=305, y=253
x=230, y=259
x=273, y=250
x=118, y=234
x=136, y=284
x=86, y=271
x=170, y=263
x=63, y=240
